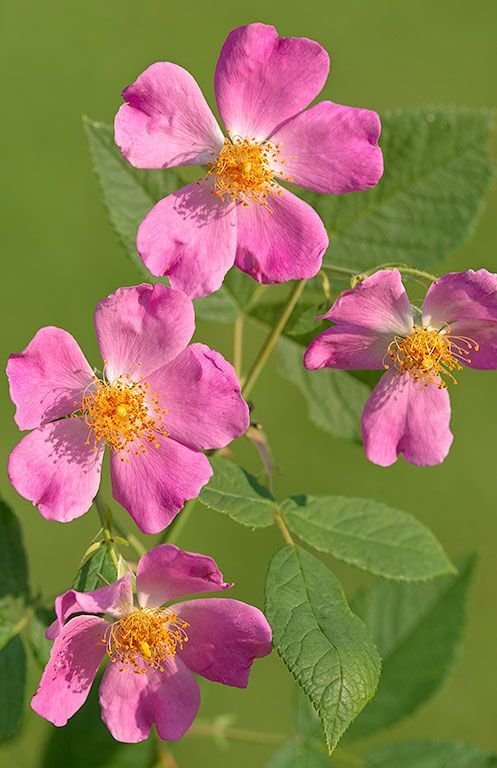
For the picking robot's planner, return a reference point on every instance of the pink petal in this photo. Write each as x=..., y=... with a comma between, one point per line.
x=262, y=79
x=483, y=333
x=286, y=244
x=112, y=599
x=202, y=396
x=166, y=120
x=55, y=469
x=404, y=416
x=140, y=329
x=348, y=347
x=190, y=236
x=153, y=487
x=132, y=703
x=74, y=660
x=167, y=572
x=461, y=296
x=331, y=149
x=380, y=303
x=48, y=378
x=224, y=638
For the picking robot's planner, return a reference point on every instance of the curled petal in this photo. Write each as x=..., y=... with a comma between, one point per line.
x=348, y=347
x=461, y=296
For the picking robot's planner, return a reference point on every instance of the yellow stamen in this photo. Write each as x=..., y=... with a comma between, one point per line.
x=244, y=171
x=122, y=412
x=145, y=638
x=428, y=354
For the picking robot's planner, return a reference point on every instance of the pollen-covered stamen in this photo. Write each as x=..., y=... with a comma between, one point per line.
x=244, y=169
x=428, y=354
x=122, y=412
x=145, y=638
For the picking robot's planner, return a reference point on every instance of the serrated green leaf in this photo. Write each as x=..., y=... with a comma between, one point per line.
x=437, y=172
x=13, y=565
x=97, y=571
x=85, y=742
x=40, y=647
x=418, y=629
x=325, y=646
x=238, y=494
x=369, y=535
x=128, y=193
x=335, y=399
x=296, y=754
x=13, y=677
x=430, y=754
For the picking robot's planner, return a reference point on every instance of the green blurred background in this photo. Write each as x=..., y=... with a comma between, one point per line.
x=60, y=256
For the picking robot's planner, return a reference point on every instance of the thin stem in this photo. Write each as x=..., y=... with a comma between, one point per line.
x=287, y=536
x=403, y=268
x=273, y=337
x=106, y=520
x=171, y=535
x=236, y=734
x=238, y=344
x=132, y=540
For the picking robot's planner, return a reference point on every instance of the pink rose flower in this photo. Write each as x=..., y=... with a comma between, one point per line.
x=239, y=213
x=158, y=405
x=153, y=649
x=376, y=328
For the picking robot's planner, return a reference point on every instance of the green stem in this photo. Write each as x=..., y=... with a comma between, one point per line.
x=132, y=540
x=171, y=535
x=403, y=268
x=238, y=344
x=273, y=337
x=106, y=520
x=236, y=734
x=287, y=536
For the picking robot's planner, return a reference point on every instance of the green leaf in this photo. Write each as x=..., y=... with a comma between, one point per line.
x=437, y=172
x=96, y=571
x=426, y=754
x=335, y=398
x=13, y=677
x=239, y=495
x=418, y=629
x=369, y=535
x=13, y=564
x=12, y=610
x=296, y=754
x=40, y=647
x=218, y=307
x=325, y=646
x=128, y=193
x=86, y=743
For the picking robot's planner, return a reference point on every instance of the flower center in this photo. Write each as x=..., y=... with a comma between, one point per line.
x=428, y=354
x=145, y=638
x=122, y=412
x=244, y=170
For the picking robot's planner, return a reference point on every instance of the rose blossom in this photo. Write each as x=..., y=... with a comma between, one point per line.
x=158, y=404
x=153, y=649
x=239, y=213
x=376, y=328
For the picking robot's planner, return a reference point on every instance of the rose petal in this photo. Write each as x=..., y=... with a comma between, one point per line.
x=153, y=487
x=56, y=469
x=202, y=396
x=262, y=79
x=167, y=572
x=74, y=660
x=140, y=329
x=380, y=303
x=286, y=244
x=461, y=296
x=331, y=149
x=190, y=236
x=405, y=416
x=166, y=120
x=132, y=703
x=48, y=378
x=224, y=638
x=348, y=347
x=112, y=599
x=480, y=332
